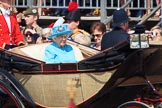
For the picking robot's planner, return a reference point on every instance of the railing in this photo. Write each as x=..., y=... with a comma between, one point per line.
x=103, y=5
x=83, y=4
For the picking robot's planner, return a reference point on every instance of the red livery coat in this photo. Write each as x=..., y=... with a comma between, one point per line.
x=15, y=37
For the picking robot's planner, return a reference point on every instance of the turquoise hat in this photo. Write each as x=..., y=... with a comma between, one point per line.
x=60, y=30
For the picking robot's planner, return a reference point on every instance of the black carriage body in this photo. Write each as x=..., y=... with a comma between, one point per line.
x=136, y=69
x=139, y=76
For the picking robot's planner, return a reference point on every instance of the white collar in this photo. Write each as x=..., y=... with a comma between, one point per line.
x=4, y=11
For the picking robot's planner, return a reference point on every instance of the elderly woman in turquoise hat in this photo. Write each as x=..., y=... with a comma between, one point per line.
x=58, y=51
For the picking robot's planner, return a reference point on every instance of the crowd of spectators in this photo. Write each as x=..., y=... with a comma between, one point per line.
x=148, y=4
x=145, y=5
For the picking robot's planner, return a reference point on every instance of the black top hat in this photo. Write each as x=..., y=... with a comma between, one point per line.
x=119, y=16
x=74, y=15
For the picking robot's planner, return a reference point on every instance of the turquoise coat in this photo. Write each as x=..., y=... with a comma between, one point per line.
x=56, y=54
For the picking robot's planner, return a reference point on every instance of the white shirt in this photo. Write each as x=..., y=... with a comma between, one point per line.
x=6, y=14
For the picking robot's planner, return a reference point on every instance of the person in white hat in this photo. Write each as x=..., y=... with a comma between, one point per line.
x=58, y=51
x=45, y=33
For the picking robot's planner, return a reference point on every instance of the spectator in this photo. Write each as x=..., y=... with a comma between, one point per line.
x=31, y=18
x=78, y=35
x=31, y=37
x=19, y=17
x=157, y=14
x=155, y=34
x=138, y=12
x=122, y=2
x=89, y=3
x=58, y=51
x=149, y=5
x=61, y=11
x=98, y=29
x=9, y=27
x=45, y=33
x=156, y=30
x=119, y=33
x=19, y=20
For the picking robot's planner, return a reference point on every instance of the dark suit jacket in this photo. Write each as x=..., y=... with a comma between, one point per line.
x=113, y=37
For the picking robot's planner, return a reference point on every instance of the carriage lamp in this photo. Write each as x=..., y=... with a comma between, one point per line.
x=138, y=37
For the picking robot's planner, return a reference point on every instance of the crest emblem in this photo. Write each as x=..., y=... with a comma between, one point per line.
x=34, y=11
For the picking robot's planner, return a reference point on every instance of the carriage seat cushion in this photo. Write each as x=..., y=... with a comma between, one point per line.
x=36, y=51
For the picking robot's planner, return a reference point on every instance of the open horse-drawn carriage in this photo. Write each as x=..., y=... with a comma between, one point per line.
x=116, y=77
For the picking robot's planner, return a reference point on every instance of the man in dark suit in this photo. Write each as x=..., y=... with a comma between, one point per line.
x=119, y=33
